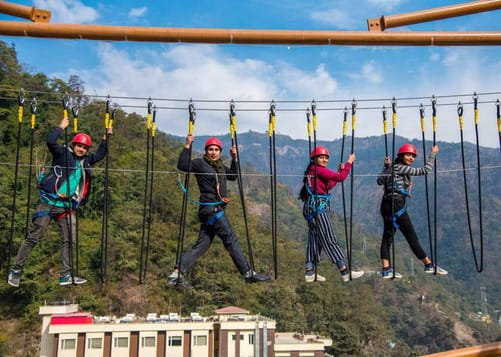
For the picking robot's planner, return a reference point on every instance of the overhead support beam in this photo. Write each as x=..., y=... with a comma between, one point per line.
x=26, y=12
x=249, y=37
x=386, y=22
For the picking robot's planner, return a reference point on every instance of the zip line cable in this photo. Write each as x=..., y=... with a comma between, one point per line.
x=75, y=109
x=108, y=123
x=263, y=101
x=273, y=184
x=345, y=219
x=478, y=267
x=147, y=189
x=393, y=217
x=427, y=195
x=184, y=207
x=434, y=253
x=20, y=110
x=234, y=142
x=353, y=126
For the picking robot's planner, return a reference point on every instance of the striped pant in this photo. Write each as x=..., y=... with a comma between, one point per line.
x=321, y=236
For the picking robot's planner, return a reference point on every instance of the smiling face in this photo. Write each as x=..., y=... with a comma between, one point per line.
x=408, y=158
x=213, y=152
x=80, y=149
x=322, y=160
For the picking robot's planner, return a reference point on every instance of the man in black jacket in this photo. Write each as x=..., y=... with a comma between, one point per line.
x=211, y=175
x=65, y=187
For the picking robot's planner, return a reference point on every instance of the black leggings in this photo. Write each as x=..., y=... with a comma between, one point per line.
x=405, y=225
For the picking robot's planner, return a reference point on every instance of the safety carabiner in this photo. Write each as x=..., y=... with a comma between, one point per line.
x=460, y=109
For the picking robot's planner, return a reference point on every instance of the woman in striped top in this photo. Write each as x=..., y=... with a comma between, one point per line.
x=397, y=187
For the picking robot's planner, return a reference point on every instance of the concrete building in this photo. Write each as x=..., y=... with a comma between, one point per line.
x=232, y=332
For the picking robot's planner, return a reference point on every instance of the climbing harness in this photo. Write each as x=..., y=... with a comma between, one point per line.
x=234, y=142
x=148, y=191
x=20, y=102
x=478, y=265
x=273, y=184
x=108, y=123
x=427, y=195
x=186, y=191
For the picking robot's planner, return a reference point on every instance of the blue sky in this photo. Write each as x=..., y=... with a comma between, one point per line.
x=259, y=72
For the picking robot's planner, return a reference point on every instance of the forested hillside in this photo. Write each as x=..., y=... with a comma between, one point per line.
x=367, y=317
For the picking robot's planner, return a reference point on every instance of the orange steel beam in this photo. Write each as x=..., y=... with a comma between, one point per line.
x=386, y=22
x=229, y=36
x=25, y=12
x=488, y=350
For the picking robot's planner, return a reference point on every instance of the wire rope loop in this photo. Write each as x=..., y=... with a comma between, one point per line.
x=353, y=106
x=394, y=105
x=475, y=100
x=460, y=109
x=421, y=111
x=21, y=97
x=434, y=105
x=313, y=107
x=33, y=105
x=66, y=101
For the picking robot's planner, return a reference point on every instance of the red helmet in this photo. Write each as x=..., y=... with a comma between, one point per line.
x=319, y=150
x=214, y=141
x=407, y=149
x=83, y=139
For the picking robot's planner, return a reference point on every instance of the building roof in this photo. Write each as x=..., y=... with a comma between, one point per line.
x=231, y=310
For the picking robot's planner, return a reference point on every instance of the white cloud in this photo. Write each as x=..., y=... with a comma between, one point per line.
x=68, y=11
x=369, y=72
x=336, y=18
x=137, y=12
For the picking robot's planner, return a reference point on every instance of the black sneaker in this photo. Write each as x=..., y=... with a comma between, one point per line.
x=67, y=280
x=179, y=282
x=14, y=277
x=253, y=277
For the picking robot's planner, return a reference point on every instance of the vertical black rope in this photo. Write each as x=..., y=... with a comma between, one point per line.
x=184, y=207
x=108, y=122
x=498, y=116
x=353, y=126
x=33, y=106
x=146, y=189
x=150, y=203
x=20, y=111
x=68, y=204
x=427, y=194
x=343, y=195
x=234, y=142
x=273, y=184
x=467, y=201
x=435, y=185
x=393, y=150
x=479, y=178
x=75, y=109
x=315, y=182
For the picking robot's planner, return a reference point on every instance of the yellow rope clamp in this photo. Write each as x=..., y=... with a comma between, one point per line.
x=154, y=123
x=353, y=116
x=75, y=110
x=345, y=123
x=421, y=116
x=272, y=121
x=475, y=110
x=314, y=113
x=308, y=122
x=148, y=117
x=385, y=122
x=434, y=116
x=20, y=110
x=498, y=115
x=460, y=116
x=191, y=121
x=233, y=120
x=394, y=115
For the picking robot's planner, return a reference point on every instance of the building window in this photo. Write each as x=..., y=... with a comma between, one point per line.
x=68, y=344
x=94, y=343
x=175, y=341
x=148, y=341
x=200, y=340
x=251, y=339
x=121, y=342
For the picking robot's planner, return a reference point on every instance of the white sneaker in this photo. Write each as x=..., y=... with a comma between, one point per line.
x=345, y=275
x=310, y=277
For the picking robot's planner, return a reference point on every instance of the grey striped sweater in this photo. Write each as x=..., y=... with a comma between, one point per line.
x=403, y=175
